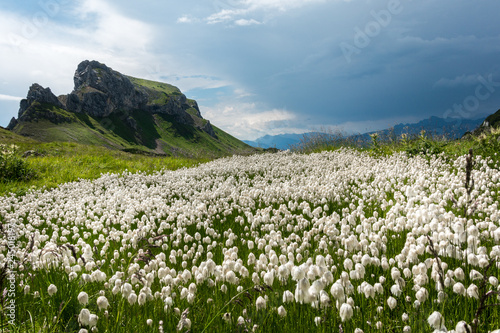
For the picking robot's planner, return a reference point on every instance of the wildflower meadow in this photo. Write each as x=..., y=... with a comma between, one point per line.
x=340, y=241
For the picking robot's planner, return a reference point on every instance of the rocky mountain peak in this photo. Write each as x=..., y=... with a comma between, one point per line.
x=37, y=93
x=100, y=92
x=95, y=75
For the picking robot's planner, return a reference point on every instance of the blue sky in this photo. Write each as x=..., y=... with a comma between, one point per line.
x=261, y=67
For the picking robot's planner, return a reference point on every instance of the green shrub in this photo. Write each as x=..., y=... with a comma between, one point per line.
x=12, y=166
x=423, y=145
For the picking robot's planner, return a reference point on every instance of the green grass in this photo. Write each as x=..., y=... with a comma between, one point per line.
x=158, y=92
x=114, y=132
x=62, y=162
x=486, y=144
x=158, y=86
x=207, y=316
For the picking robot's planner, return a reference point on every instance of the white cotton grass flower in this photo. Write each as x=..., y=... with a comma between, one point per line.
x=324, y=299
x=473, y=291
x=84, y=317
x=346, y=312
x=83, y=330
x=493, y=281
x=302, y=292
x=422, y=295
x=459, y=274
x=463, y=327
x=260, y=303
x=337, y=291
x=396, y=290
x=392, y=302
x=316, y=287
x=348, y=264
x=297, y=273
x=93, y=320
x=126, y=289
x=51, y=290
x=269, y=278
x=102, y=302
x=475, y=275
x=281, y=311
x=83, y=298
x=436, y=320
x=459, y=288
x=132, y=298
x=317, y=321
x=287, y=296
x=141, y=299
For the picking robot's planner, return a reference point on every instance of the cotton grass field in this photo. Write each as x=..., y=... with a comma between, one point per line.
x=342, y=241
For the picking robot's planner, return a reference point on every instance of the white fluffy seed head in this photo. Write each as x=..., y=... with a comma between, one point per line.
x=391, y=301
x=436, y=321
x=260, y=303
x=346, y=312
x=51, y=290
x=83, y=298
x=281, y=311
x=84, y=317
x=102, y=303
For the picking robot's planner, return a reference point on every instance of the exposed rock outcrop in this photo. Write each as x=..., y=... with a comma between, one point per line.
x=37, y=93
x=100, y=91
x=37, y=105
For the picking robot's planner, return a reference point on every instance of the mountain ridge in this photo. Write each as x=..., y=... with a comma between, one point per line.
x=122, y=112
x=453, y=128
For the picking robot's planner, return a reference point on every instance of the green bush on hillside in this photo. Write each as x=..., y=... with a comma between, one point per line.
x=423, y=145
x=13, y=167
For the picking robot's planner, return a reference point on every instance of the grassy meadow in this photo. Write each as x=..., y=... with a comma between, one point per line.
x=392, y=236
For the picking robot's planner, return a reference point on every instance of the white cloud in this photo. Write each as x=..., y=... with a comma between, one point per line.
x=225, y=15
x=236, y=10
x=247, y=121
x=243, y=22
x=111, y=29
x=9, y=98
x=185, y=19
x=49, y=57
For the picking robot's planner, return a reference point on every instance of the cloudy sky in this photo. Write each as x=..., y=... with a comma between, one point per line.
x=261, y=67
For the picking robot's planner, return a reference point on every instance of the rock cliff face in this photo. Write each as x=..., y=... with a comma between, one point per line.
x=29, y=109
x=100, y=92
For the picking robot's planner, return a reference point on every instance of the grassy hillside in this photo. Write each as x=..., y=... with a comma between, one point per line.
x=9, y=137
x=179, y=130
x=153, y=133
x=54, y=163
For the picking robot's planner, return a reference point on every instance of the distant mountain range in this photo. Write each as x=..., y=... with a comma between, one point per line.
x=121, y=112
x=435, y=126
x=281, y=141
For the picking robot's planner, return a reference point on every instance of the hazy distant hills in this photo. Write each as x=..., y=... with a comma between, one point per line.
x=281, y=141
x=435, y=126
